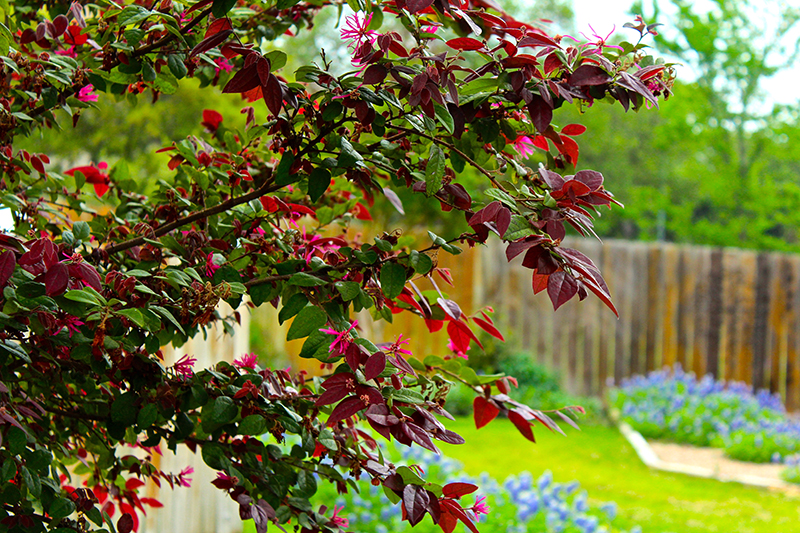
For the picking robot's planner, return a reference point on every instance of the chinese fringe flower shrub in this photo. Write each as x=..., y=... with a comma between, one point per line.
x=96, y=276
x=521, y=504
x=675, y=405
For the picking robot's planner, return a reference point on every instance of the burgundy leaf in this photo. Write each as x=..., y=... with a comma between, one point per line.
x=414, y=6
x=575, y=187
x=375, y=365
x=487, y=214
x=503, y=220
x=262, y=67
x=87, y=274
x=332, y=395
x=452, y=507
x=457, y=490
x=125, y=523
x=568, y=420
x=592, y=178
x=420, y=436
x=636, y=85
x=450, y=437
x=541, y=113
x=7, y=263
x=346, y=408
x=516, y=248
x=521, y=424
x=484, y=411
x=588, y=75
x=536, y=39
x=561, y=287
x=415, y=500
x=273, y=95
x=375, y=74
x=244, y=80
x=553, y=179
x=56, y=279
x=210, y=42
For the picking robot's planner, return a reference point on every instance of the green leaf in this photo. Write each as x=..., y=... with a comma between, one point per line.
x=421, y=262
x=503, y=196
x=147, y=416
x=318, y=183
x=134, y=315
x=166, y=314
x=434, y=171
x=60, y=508
x=83, y=296
x=7, y=471
x=264, y=293
x=220, y=8
x=166, y=82
x=222, y=411
x=348, y=156
x=31, y=481
x=277, y=59
x=123, y=409
x=308, y=320
x=292, y=306
x=81, y=230
x=393, y=279
x=306, y=484
x=408, y=396
x=348, y=289
x=327, y=439
x=518, y=228
x=282, y=172
x=177, y=66
x=252, y=425
x=444, y=118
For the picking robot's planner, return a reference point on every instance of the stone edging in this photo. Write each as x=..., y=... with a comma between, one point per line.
x=649, y=458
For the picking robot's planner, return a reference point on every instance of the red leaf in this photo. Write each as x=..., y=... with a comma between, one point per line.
x=415, y=6
x=56, y=279
x=537, y=39
x=87, y=274
x=273, y=94
x=244, y=80
x=465, y=43
x=539, y=282
x=541, y=113
x=37, y=164
x=461, y=335
x=211, y=41
x=569, y=148
x=520, y=60
x=218, y=26
x=415, y=501
x=7, y=263
x=345, y=409
x=484, y=411
x=588, y=75
x=516, y=248
x=457, y=490
x=452, y=507
x=447, y=521
x=125, y=523
x=540, y=141
x=489, y=328
x=374, y=74
x=375, y=365
x=398, y=49
x=573, y=129
x=561, y=287
x=503, y=220
x=522, y=425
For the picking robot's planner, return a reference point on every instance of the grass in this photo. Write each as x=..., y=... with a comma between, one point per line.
x=608, y=468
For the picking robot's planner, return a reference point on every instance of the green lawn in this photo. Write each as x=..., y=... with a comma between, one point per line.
x=608, y=468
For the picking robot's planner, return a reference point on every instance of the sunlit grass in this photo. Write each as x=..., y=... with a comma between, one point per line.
x=608, y=468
